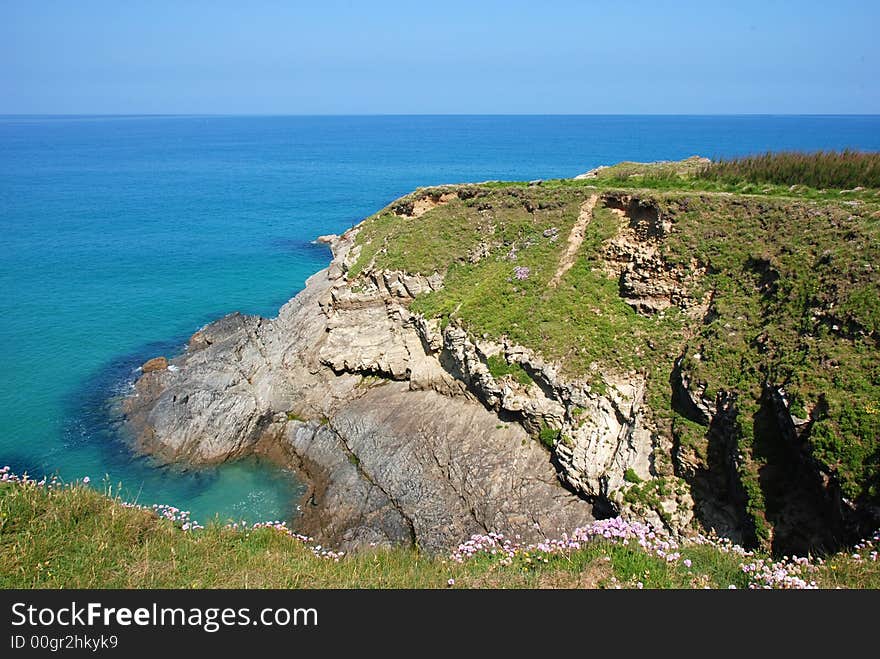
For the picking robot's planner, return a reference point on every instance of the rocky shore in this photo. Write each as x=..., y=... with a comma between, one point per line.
x=383, y=415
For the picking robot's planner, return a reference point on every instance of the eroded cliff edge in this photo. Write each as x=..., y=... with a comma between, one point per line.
x=417, y=427
x=356, y=393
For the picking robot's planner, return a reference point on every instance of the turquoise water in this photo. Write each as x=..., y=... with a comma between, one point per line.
x=120, y=236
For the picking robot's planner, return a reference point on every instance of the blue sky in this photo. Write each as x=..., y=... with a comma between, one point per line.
x=332, y=57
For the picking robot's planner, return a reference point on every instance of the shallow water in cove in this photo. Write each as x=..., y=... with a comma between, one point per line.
x=120, y=236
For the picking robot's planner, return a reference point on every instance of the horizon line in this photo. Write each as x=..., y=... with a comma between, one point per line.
x=436, y=114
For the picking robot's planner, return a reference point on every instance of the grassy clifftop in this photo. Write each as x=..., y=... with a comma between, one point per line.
x=748, y=283
x=75, y=537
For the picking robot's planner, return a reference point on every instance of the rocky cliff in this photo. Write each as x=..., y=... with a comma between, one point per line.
x=481, y=358
x=381, y=413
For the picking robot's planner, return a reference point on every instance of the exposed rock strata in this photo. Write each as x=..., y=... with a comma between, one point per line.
x=397, y=425
x=396, y=465
x=363, y=398
x=647, y=282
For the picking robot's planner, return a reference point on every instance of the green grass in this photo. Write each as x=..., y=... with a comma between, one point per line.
x=75, y=537
x=791, y=269
x=549, y=436
x=582, y=322
x=766, y=176
x=499, y=368
x=628, y=171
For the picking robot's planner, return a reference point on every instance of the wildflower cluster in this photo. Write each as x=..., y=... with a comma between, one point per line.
x=7, y=476
x=789, y=572
x=492, y=544
x=176, y=515
x=619, y=531
x=616, y=530
x=521, y=272
x=867, y=549
x=318, y=550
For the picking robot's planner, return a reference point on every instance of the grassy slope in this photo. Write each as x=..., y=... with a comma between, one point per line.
x=74, y=537
x=793, y=271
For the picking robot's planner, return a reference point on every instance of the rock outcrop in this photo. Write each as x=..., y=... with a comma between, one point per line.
x=378, y=410
x=648, y=283
x=396, y=465
x=155, y=364
x=398, y=425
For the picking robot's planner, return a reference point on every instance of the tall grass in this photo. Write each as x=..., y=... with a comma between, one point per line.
x=819, y=169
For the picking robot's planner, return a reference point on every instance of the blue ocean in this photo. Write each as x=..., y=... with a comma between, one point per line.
x=120, y=236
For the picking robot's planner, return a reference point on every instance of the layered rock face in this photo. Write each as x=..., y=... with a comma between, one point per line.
x=398, y=425
x=384, y=416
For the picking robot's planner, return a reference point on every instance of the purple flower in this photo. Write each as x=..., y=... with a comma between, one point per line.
x=521, y=272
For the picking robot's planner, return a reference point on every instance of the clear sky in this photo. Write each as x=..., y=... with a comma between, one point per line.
x=334, y=57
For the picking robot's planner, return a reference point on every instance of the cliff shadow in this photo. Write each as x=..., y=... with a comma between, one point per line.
x=799, y=509
x=703, y=448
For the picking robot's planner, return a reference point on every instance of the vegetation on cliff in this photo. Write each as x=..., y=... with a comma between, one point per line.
x=825, y=169
x=768, y=301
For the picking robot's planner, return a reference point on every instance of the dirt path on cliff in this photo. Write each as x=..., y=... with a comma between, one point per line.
x=575, y=239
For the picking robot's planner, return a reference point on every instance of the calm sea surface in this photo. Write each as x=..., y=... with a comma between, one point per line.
x=120, y=236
